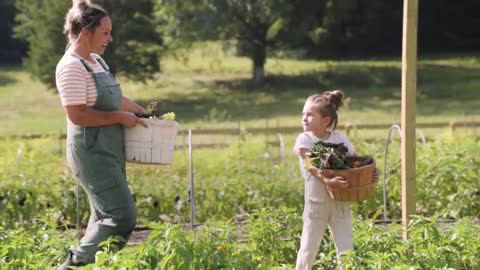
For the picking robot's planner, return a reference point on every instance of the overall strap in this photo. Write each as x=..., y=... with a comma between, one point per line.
x=89, y=69
x=104, y=65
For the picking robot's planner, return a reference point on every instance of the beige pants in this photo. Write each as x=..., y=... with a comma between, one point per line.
x=319, y=212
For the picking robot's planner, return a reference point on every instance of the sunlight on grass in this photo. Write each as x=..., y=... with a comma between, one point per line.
x=209, y=87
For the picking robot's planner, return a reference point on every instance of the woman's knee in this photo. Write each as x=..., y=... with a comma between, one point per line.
x=131, y=217
x=126, y=218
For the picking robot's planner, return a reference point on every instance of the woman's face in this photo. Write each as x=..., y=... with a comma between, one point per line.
x=101, y=37
x=312, y=120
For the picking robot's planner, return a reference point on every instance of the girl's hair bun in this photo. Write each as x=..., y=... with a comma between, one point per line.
x=335, y=97
x=79, y=2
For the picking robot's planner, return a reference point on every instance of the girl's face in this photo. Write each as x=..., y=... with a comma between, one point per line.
x=101, y=37
x=313, y=121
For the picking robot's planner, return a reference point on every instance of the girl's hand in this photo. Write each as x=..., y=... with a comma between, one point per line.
x=315, y=171
x=375, y=175
x=337, y=182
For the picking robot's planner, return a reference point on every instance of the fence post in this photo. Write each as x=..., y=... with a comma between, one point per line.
x=60, y=144
x=192, y=185
x=348, y=127
x=266, y=135
x=19, y=155
x=282, y=147
x=452, y=126
x=77, y=202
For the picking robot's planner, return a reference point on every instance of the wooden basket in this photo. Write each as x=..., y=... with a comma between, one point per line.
x=154, y=144
x=360, y=181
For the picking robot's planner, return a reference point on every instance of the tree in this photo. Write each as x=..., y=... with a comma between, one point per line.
x=42, y=31
x=11, y=50
x=137, y=46
x=134, y=52
x=256, y=25
x=358, y=28
x=347, y=28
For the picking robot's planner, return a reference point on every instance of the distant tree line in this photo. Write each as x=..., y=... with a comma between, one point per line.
x=146, y=29
x=135, y=50
x=11, y=50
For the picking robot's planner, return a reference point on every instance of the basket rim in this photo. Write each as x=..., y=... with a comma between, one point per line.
x=161, y=122
x=352, y=169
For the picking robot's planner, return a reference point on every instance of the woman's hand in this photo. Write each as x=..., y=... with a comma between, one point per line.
x=129, y=120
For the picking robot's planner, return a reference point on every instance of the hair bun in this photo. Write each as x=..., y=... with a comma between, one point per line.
x=335, y=97
x=79, y=2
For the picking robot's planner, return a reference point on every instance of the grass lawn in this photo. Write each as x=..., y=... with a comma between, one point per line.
x=209, y=88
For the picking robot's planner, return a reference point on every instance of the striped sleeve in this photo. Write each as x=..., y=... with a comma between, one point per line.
x=72, y=83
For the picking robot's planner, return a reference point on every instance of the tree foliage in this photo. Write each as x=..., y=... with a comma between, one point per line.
x=43, y=32
x=11, y=50
x=356, y=28
x=256, y=25
x=346, y=28
x=322, y=29
x=134, y=52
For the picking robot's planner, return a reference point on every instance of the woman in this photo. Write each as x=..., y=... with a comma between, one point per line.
x=96, y=115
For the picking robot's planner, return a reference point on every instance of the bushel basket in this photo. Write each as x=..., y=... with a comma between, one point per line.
x=361, y=185
x=154, y=144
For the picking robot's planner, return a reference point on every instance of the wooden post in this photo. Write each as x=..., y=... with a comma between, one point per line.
x=192, y=184
x=452, y=128
x=409, y=85
x=348, y=127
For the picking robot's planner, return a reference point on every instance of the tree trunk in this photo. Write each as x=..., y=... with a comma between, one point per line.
x=259, y=55
x=258, y=74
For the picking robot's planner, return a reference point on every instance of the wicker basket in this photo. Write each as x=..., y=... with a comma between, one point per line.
x=154, y=144
x=360, y=181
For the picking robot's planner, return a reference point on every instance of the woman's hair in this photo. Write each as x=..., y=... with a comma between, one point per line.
x=83, y=14
x=328, y=103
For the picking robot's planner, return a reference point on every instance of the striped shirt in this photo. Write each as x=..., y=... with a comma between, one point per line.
x=74, y=83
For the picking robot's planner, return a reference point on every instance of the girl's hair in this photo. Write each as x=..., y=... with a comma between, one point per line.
x=83, y=14
x=328, y=103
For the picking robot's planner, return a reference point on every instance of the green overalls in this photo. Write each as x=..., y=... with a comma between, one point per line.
x=96, y=156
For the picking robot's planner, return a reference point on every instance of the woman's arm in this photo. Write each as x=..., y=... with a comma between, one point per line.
x=86, y=116
x=130, y=106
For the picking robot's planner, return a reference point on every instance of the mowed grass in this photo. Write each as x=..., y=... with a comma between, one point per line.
x=207, y=87
x=26, y=105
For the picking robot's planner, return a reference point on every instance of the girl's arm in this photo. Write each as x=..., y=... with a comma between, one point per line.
x=338, y=182
x=130, y=106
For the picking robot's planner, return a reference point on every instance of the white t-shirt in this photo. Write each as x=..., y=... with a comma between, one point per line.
x=74, y=83
x=306, y=140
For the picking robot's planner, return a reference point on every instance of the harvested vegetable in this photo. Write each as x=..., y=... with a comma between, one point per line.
x=334, y=157
x=153, y=113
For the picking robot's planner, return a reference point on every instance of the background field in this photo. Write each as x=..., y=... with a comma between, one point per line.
x=210, y=88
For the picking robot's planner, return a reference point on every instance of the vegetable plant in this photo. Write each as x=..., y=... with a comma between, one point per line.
x=152, y=112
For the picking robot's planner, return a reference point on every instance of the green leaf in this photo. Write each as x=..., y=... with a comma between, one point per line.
x=274, y=29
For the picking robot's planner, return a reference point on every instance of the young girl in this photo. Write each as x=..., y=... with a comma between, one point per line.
x=319, y=121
